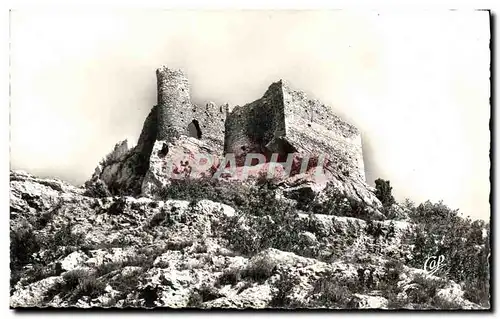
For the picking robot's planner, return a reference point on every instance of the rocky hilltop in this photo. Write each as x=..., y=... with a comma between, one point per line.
x=284, y=123
x=136, y=236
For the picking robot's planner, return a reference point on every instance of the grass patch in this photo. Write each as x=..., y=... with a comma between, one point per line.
x=77, y=284
x=24, y=243
x=281, y=298
x=259, y=270
x=202, y=294
x=230, y=276
x=332, y=294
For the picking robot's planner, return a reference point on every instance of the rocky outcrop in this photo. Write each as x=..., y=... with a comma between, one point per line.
x=287, y=128
x=33, y=294
x=179, y=159
x=140, y=252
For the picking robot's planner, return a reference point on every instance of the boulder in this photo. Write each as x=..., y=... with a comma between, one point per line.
x=33, y=294
x=369, y=302
x=73, y=261
x=186, y=157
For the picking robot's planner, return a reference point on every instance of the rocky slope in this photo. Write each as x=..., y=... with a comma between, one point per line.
x=72, y=250
x=135, y=235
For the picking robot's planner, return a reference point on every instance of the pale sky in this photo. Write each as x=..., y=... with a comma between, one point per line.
x=416, y=83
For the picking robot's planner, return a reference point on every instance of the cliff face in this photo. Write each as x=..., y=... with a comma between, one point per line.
x=282, y=125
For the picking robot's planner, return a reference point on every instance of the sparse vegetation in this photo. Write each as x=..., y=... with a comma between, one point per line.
x=331, y=292
x=208, y=293
x=125, y=284
x=383, y=191
x=47, y=216
x=258, y=200
x=202, y=294
x=259, y=270
x=338, y=204
x=25, y=243
x=195, y=300
x=158, y=219
x=281, y=298
x=388, y=283
x=277, y=231
x=425, y=291
x=203, y=188
x=464, y=244
x=77, y=284
x=230, y=277
x=264, y=220
x=97, y=189
x=117, y=207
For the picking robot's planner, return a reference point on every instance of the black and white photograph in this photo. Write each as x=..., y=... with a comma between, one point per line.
x=250, y=159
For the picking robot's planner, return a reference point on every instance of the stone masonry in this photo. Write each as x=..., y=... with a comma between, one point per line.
x=282, y=122
x=285, y=121
x=178, y=116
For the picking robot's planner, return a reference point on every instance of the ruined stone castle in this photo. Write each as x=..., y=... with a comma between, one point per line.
x=282, y=121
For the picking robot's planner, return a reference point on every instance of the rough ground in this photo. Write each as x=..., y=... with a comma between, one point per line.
x=135, y=236
x=73, y=250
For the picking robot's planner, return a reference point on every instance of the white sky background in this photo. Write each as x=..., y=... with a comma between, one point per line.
x=416, y=83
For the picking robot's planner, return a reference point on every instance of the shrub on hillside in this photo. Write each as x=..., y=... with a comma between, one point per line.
x=96, y=188
x=388, y=281
x=441, y=231
x=329, y=292
x=338, y=204
x=427, y=287
x=278, y=230
x=383, y=191
x=281, y=296
x=204, y=188
x=25, y=243
x=77, y=284
x=259, y=270
x=230, y=277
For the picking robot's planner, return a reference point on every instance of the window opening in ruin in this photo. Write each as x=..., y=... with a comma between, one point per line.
x=194, y=129
x=164, y=150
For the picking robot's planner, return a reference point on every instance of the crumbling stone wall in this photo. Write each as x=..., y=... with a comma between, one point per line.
x=172, y=117
x=251, y=128
x=313, y=128
x=211, y=119
x=285, y=121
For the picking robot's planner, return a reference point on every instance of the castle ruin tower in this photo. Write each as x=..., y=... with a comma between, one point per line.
x=177, y=115
x=175, y=110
